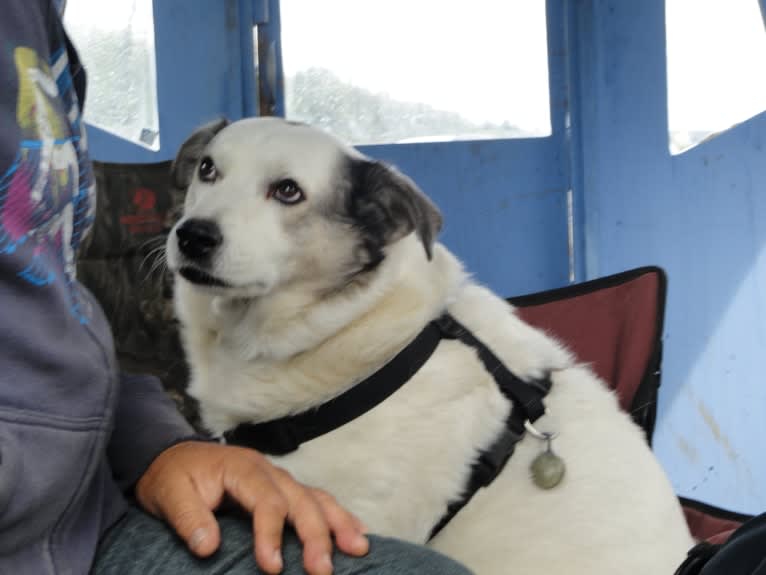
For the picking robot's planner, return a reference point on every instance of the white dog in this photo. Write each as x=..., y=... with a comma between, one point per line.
x=303, y=267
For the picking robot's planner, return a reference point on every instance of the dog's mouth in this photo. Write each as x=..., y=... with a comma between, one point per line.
x=198, y=277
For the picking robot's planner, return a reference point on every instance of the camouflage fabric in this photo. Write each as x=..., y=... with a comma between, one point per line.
x=122, y=263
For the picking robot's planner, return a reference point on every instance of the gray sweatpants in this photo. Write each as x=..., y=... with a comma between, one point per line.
x=141, y=545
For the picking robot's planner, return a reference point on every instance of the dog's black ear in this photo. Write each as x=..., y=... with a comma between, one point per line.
x=386, y=205
x=182, y=170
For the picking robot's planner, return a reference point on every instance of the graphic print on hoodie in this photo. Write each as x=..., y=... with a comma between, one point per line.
x=47, y=198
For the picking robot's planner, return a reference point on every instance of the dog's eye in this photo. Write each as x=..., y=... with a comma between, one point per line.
x=207, y=170
x=286, y=191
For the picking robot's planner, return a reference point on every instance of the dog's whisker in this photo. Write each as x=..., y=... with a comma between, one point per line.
x=158, y=260
x=150, y=246
x=150, y=242
x=160, y=264
x=152, y=253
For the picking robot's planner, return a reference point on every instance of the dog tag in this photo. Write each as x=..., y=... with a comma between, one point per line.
x=547, y=468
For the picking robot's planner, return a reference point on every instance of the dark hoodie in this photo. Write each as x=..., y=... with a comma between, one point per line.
x=74, y=435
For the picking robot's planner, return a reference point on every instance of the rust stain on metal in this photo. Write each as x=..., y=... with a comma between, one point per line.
x=715, y=429
x=687, y=449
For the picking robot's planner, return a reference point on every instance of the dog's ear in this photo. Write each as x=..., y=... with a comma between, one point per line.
x=386, y=205
x=182, y=170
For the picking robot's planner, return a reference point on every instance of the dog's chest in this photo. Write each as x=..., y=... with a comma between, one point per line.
x=400, y=464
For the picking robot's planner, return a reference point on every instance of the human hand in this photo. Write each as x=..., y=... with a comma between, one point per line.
x=187, y=481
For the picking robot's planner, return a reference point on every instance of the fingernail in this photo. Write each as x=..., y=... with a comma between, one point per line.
x=198, y=537
x=362, y=543
x=325, y=563
x=277, y=558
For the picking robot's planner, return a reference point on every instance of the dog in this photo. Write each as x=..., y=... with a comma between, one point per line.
x=302, y=267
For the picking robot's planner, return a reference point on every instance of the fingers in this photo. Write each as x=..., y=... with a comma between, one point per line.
x=268, y=524
x=349, y=531
x=183, y=508
x=273, y=496
x=248, y=481
x=309, y=522
x=186, y=481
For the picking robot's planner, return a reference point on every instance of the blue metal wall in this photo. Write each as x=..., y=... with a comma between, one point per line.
x=702, y=216
x=504, y=205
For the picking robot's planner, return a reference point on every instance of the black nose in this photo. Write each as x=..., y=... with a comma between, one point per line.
x=197, y=239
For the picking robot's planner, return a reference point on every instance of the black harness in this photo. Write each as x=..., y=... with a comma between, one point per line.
x=286, y=434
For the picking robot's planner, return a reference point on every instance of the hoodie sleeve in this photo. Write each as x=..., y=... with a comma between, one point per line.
x=146, y=423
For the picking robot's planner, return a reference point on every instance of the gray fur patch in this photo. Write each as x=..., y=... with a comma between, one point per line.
x=182, y=170
x=384, y=205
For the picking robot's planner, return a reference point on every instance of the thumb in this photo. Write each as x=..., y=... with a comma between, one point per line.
x=185, y=510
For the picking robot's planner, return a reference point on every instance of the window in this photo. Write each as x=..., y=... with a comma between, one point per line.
x=375, y=71
x=115, y=39
x=716, y=57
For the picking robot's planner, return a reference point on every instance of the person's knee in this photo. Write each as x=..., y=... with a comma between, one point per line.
x=394, y=557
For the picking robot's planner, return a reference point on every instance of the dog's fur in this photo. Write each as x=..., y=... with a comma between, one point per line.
x=320, y=294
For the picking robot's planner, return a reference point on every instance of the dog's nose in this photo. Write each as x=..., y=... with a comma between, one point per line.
x=197, y=239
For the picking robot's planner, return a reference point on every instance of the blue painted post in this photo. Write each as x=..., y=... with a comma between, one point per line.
x=575, y=30
x=559, y=83
x=248, y=71
x=270, y=74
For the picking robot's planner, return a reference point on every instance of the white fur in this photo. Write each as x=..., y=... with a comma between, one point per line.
x=287, y=348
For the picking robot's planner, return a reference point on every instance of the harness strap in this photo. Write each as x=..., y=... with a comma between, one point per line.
x=484, y=470
x=527, y=405
x=286, y=434
x=528, y=396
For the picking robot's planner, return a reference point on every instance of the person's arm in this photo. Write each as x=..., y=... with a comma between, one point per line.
x=146, y=423
x=181, y=478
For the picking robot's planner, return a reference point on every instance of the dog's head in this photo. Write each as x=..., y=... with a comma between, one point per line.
x=270, y=203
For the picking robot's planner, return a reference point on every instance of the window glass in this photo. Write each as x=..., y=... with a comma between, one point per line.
x=115, y=40
x=716, y=58
x=375, y=71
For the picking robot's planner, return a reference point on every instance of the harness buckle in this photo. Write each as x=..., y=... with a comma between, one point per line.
x=536, y=433
x=449, y=327
x=494, y=459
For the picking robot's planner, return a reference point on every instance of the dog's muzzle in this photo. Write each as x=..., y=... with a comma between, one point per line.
x=198, y=239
